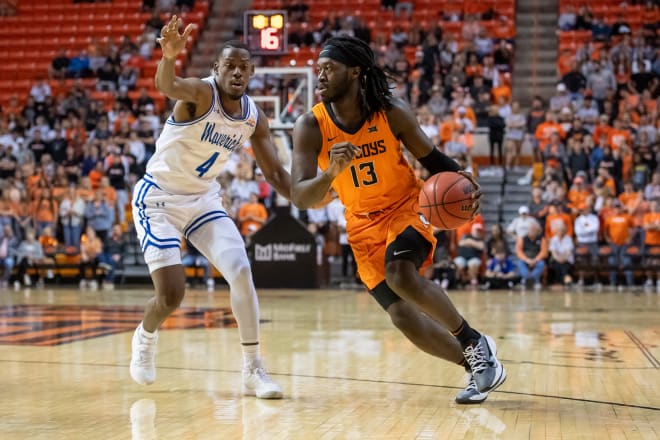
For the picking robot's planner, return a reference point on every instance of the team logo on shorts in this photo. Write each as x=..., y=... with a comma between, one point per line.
x=423, y=219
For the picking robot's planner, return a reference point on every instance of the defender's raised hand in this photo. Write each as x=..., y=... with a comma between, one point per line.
x=171, y=41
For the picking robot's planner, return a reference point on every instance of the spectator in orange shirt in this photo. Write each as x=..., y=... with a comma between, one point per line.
x=619, y=232
x=555, y=216
x=633, y=202
x=545, y=129
x=605, y=178
x=91, y=247
x=501, y=92
x=603, y=128
x=578, y=195
x=618, y=135
x=44, y=210
x=651, y=224
x=467, y=228
x=447, y=127
x=109, y=193
x=252, y=213
x=96, y=175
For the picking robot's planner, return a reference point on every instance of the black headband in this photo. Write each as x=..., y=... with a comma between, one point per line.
x=337, y=54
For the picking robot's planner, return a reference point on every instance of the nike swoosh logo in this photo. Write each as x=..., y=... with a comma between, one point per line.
x=332, y=139
x=402, y=252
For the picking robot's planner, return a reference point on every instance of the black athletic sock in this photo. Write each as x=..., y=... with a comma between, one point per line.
x=465, y=334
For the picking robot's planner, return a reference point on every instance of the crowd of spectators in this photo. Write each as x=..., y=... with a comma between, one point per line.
x=593, y=213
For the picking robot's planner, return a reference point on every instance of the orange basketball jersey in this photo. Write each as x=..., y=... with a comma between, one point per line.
x=379, y=176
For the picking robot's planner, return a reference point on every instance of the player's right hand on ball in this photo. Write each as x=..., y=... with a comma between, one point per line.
x=170, y=40
x=341, y=155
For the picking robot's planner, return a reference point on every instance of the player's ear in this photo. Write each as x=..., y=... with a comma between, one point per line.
x=251, y=69
x=356, y=72
x=215, y=67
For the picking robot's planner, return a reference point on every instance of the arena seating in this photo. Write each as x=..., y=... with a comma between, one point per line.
x=30, y=40
x=610, y=11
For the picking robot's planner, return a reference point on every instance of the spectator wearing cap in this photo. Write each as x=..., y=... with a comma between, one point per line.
x=619, y=231
x=470, y=254
x=561, y=99
x=520, y=225
x=532, y=250
x=465, y=118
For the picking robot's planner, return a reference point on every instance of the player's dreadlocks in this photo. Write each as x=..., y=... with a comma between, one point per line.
x=375, y=91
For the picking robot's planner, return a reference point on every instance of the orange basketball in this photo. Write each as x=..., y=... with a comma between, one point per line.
x=446, y=200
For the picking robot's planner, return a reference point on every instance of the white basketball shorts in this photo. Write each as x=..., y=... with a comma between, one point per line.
x=161, y=219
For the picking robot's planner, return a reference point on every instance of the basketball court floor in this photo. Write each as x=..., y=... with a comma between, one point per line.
x=580, y=366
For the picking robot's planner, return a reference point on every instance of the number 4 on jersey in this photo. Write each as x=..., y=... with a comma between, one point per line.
x=206, y=166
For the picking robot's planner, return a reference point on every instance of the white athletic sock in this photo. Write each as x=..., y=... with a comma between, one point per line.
x=145, y=333
x=250, y=354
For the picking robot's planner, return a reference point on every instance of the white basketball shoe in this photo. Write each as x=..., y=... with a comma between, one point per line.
x=143, y=366
x=256, y=382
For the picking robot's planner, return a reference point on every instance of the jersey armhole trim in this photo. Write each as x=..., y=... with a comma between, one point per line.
x=171, y=121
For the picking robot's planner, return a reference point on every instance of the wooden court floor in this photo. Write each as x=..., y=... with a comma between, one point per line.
x=580, y=366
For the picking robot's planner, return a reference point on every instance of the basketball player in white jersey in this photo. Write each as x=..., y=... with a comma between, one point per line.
x=179, y=196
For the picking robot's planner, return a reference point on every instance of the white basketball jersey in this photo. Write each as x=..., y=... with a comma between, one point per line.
x=190, y=155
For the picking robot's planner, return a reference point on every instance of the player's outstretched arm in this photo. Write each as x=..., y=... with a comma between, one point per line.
x=183, y=89
x=265, y=154
x=308, y=188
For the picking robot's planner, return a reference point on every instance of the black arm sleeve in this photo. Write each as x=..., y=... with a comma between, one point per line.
x=437, y=162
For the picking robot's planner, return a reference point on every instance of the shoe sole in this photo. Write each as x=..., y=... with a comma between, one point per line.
x=138, y=381
x=271, y=395
x=501, y=378
x=471, y=401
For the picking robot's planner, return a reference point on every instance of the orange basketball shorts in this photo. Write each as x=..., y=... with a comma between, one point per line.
x=370, y=235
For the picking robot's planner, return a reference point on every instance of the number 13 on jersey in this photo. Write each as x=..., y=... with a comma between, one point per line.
x=364, y=174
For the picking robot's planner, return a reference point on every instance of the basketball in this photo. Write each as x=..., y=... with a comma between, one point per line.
x=446, y=200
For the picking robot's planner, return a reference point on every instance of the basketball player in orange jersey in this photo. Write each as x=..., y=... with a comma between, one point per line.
x=354, y=136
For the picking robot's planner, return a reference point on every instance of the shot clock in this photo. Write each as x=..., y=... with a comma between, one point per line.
x=265, y=32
